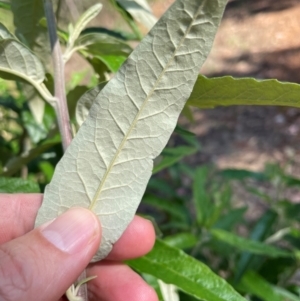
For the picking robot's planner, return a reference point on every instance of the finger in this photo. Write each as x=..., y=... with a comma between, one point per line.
x=17, y=214
x=137, y=240
x=42, y=264
x=117, y=282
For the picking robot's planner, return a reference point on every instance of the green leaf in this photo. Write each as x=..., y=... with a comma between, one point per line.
x=245, y=244
x=27, y=14
x=17, y=185
x=5, y=5
x=227, y=91
x=17, y=60
x=202, y=201
x=16, y=163
x=170, y=156
x=285, y=294
x=181, y=240
x=261, y=230
x=229, y=220
x=140, y=11
x=173, y=266
x=172, y=208
x=109, y=162
x=102, y=44
x=241, y=174
x=112, y=62
x=256, y=285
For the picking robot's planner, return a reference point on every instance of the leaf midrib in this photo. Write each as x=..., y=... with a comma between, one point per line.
x=98, y=192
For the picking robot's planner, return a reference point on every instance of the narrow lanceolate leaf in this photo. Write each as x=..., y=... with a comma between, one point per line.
x=140, y=11
x=188, y=274
x=16, y=60
x=252, y=246
x=228, y=91
x=252, y=283
x=108, y=164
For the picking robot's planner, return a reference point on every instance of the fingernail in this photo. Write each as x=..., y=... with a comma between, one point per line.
x=72, y=231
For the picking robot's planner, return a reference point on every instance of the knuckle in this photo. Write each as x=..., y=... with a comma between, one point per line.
x=15, y=276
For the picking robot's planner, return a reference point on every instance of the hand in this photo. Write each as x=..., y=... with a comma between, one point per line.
x=42, y=263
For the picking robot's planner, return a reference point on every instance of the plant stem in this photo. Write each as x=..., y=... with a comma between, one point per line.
x=60, y=105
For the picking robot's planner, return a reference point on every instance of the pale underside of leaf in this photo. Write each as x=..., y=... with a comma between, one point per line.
x=4, y=33
x=109, y=162
x=19, y=61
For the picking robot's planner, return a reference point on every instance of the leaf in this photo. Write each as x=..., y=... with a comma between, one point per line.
x=15, y=164
x=103, y=44
x=108, y=164
x=19, y=61
x=5, y=5
x=5, y=33
x=140, y=11
x=181, y=240
x=151, y=280
x=256, y=285
x=85, y=103
x=172, y=208
x=27, y=14
x=85, y=18
x=229, y=220
x=227, y=91
x=112, y=62
x=17, y=185
x=173, y=266
x=259, y=233
x=202, y=201
x=173, y=155
x=245, y=244
x=241, y=174
x=285, y=294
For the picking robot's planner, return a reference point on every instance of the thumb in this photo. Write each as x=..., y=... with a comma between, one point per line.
x=43, y=264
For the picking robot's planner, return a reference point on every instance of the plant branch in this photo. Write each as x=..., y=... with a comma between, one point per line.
x=60, y=105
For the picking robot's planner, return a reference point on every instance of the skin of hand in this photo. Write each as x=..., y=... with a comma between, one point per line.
x=42, y=263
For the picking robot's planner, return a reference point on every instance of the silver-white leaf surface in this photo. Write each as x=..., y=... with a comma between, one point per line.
x=108, y=164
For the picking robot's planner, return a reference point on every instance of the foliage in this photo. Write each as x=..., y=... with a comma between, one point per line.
x=204, y=236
